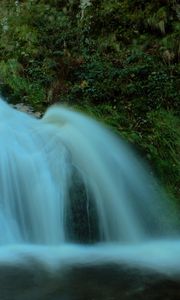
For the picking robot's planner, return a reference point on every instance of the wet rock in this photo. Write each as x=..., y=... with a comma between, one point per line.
x=125, y=283
x=27, y=109
x=105, y=282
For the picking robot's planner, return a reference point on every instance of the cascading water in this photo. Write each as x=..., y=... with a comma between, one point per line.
x=37, y=159
x=44, y=163
x=33, y=183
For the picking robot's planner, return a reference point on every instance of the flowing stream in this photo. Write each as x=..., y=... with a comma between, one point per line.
x=71, y=192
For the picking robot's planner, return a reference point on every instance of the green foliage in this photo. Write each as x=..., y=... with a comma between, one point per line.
x=36, y=38
x=116, y=60
x=162, y=144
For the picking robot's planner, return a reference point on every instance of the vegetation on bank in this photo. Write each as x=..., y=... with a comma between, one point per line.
x=116, y=60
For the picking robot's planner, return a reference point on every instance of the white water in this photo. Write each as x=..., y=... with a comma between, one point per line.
x=162, y=256
x=37, y=158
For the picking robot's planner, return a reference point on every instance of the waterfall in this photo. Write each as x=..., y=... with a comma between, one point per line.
x=37, y=163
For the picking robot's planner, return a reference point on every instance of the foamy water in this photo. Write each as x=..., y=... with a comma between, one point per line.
x=37, y=157
x=162, y=256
